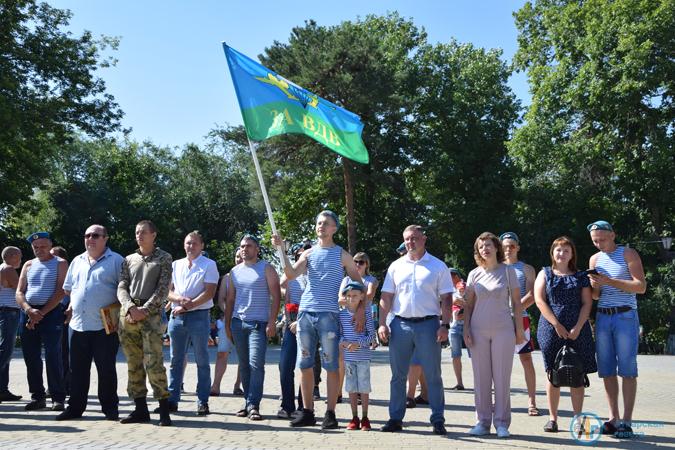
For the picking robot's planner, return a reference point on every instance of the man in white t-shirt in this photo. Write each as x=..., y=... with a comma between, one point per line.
x=411, y=290
x=193, y=285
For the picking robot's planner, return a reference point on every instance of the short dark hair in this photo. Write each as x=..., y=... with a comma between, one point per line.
x=147, y=223
x=196, y=234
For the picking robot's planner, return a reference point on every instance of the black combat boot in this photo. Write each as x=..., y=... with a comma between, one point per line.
x=164, y=418
x=140, y=414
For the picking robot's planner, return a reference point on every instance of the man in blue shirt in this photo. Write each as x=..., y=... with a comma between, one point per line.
x=91, y=282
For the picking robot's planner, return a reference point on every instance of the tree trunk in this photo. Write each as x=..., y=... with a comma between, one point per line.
x=349, y=203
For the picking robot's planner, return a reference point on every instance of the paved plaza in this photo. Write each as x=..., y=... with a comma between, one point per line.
x=221, y=429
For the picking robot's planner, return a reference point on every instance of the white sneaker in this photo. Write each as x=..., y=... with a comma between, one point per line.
x=503, y=432
x=479, y=430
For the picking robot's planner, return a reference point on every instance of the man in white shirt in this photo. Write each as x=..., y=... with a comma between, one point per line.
x=411, y=290
x=193, y=285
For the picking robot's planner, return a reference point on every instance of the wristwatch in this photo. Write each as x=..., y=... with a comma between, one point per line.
x=446, y=325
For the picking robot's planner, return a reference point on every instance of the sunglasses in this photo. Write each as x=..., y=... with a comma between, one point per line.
x=359, y=262
x=93, y=235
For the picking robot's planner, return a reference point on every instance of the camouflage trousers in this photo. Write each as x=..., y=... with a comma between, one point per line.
x=142, y=346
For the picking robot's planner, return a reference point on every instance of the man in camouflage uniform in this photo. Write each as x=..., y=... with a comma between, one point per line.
x=142, y=292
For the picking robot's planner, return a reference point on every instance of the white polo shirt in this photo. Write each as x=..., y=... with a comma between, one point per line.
x=417, y=285
x=189, y=281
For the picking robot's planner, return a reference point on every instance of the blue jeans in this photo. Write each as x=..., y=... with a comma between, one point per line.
x=616, y=342
x=184, y=328
x=315, y=327
x=9, y=322
x=47, y=333
x=250, y=340
x=406, y=337
x=289, y=354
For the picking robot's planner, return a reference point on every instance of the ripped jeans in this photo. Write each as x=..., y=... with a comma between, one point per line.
x=313, y=327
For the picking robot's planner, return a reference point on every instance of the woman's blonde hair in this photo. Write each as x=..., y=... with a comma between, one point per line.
x=363, y=256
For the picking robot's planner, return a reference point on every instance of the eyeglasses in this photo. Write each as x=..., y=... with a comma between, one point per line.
x=93, y=235
x=359, y=262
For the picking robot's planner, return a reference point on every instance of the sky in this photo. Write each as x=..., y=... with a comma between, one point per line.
x=171, y=79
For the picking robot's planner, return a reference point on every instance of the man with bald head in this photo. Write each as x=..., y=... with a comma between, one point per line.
x=39, y=295
x=91, y=282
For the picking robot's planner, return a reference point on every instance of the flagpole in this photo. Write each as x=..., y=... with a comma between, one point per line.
x=280, y=250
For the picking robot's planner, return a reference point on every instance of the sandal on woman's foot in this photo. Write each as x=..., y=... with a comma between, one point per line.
x=241, y=413
x=533, y=411
x=551, y=426
x=254, y=415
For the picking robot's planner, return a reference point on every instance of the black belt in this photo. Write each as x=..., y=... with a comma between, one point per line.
x=417, y=319
x=614, y=310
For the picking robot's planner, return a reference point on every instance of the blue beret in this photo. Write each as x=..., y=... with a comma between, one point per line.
x=38, y=235
x=509, y=235
x=353, y=286
x=600, y=225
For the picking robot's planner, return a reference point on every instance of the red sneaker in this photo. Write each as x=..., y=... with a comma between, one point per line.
x=365, y=424
x=355, y=424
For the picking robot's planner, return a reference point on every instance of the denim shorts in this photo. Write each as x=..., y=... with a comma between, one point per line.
x=224, y=344
x=318, y=327
x=357, y=377
x=456, y=338
x=616, y=342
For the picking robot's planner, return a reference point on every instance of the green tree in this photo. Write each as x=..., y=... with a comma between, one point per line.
x=463, y=112
x=117, y=184
x=364, y=67
x=48, y=90
x=598, y=137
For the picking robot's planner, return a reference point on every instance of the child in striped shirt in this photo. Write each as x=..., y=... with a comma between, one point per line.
x=357, y=354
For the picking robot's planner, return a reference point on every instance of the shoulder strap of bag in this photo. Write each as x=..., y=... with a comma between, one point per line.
x=508, y=288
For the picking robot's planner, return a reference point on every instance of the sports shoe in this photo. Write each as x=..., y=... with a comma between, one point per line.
x=365, y=424
x=354, y=424
x=329, y=421
x=305, y=419
x=608, y=428
x=58, y=406
x=624, y=431
x=283, y=414
x=203, y=409
x=392, y=426
x=34, y=405
x=457, y=387
x=410, y=403
x=439, y=429
x=479, y=430
x=503, y=432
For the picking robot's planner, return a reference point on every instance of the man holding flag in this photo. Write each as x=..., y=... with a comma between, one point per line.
x=271, y=105
x=318, y=316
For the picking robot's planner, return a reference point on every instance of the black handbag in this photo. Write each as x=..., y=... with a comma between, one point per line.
x=568, y=369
